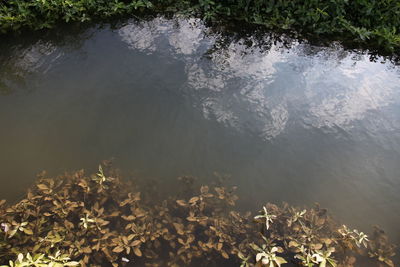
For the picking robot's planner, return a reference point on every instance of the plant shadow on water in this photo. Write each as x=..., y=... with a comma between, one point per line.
x=101, y=220
x=248, y=94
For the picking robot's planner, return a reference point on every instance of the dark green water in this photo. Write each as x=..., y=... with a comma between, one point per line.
x=301, y=124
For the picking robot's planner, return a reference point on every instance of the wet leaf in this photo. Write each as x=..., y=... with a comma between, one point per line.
x=42, y=187
x=137, y=251
x=181, y=203
x=128, y=218
x=194, y=200
x=28, y=231
x=118, y=249
x=86, y=250
x=136, y=243
x=224, y=254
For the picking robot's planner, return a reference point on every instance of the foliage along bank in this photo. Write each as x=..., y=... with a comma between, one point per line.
x=100, y=220
x=361, y=23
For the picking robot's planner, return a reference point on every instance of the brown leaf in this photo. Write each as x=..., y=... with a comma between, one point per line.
x=114, y=214
x=181, y=203
x=191, y=219
x=128, y=218
x=190, y=239
x=139, y=213
x=317, y=246
x=87, y=250
x=86, y=259
x=123, y=203
x=69, y=224
x=137, y=251
x=118, y=249
x=224, y=254
x=42, y=187
x=178, y=228
x=194, y=200
x=28, y=231
x=202, y=218
x=136, y=243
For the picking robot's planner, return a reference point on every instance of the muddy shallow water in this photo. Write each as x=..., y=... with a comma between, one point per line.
x=165, y=98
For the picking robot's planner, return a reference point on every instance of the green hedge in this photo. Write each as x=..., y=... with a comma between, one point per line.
x=367, y=23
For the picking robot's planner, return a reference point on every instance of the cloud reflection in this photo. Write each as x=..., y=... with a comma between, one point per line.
x=262, y=90
x=24, y=62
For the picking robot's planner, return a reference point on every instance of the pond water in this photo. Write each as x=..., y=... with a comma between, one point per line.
x=171, y=97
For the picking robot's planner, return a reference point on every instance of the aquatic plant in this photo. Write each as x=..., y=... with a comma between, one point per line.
x=41, y=260
x=267, y=255
x=89, y=220
x=365, y=23
x=267, y=217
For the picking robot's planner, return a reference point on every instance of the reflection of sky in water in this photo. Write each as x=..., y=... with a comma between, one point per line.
x=37, y=58
x=263, y=91
x=33, y=58
x=326, y=90
x=322, y=123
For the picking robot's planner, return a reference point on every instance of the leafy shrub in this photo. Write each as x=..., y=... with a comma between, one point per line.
x=374, y=23
x=371, y=24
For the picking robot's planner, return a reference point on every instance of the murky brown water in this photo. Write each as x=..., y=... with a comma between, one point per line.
x=301, y=124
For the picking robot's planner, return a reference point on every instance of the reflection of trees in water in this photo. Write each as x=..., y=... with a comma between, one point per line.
x=21, y=63
x=8, y=80
x=28, y=55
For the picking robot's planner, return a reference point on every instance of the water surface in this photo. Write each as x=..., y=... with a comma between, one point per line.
x=166, y=98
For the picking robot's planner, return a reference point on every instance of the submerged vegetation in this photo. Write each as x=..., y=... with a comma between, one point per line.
x=101, y=220
x=365, y=23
